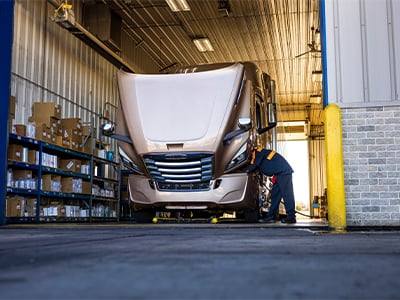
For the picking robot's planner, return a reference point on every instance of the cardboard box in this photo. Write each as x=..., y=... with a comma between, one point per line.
x=46, y=182
x=71, y=123
x=19, y=129
x=43, y=132
x=86, y=188
x=55, y=126
x=77, y=146
x=73, y=133
x=51, y=183
x=12, y=107
x=66, y=185
x=53, y=138
x=53, y=123
x=15, y=207
x=15, y=152
x=63, y=142
x=32, y=157
x=73, y=165
x=42, y=111
x=86, y=130
x=22, y=174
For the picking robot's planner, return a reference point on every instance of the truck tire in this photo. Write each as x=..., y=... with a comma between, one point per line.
x=251, y=216
x=144, y=216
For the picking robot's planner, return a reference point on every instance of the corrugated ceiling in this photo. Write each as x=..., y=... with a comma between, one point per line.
x=272, y=33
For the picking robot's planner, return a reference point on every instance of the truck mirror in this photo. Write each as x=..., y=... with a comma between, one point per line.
x=108, y=129
x=271, y=111
x=245, y=124
x=265, y=129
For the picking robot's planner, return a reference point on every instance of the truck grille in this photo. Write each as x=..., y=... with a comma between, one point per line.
x=180, y=171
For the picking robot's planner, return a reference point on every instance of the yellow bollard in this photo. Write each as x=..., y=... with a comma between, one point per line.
x=335, y=169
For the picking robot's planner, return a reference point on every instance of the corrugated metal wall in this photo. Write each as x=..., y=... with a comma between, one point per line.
x=50, y=64
x=363, y=51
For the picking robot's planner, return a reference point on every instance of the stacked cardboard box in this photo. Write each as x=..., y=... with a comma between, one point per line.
x=51, y=183
x=20, y=207
x=15, y=152
x=51, y=128
x=72, y=132
x=19, y=129
x=73, y=165
x=46, y=117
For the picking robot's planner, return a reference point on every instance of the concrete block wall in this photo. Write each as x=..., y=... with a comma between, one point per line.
x=371, y=147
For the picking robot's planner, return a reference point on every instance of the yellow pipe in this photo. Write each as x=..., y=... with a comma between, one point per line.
x=335, y=169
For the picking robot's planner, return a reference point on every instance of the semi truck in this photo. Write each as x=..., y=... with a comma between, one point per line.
x=186, y=135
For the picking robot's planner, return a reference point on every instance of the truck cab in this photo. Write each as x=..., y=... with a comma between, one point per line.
x=186, y=137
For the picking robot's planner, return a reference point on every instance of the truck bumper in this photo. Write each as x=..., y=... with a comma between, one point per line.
x=232, y=191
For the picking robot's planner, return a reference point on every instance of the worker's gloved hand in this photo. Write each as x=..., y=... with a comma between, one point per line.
x=274, y=178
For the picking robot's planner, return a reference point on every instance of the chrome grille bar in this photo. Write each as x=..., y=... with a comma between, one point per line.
x=180, y=171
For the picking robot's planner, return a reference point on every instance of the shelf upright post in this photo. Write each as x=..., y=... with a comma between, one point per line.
x=39, y=182
x=92, y=141
x=119, y=172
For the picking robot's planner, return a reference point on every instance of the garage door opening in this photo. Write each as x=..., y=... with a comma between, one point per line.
x=306, y=155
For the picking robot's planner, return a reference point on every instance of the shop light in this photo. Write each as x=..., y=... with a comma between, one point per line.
x=203, y=44
x=178, y=5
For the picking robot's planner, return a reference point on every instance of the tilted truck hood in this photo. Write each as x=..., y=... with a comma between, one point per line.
x=178, y=112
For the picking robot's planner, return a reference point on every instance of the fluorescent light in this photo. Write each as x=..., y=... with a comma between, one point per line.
x=316, y=76
x=316, y=99
x=203, y=44
x=178, y=5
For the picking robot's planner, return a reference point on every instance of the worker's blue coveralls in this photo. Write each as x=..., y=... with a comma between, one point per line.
x=271, y=163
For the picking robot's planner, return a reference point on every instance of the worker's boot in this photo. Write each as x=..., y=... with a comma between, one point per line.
x=289, y=220
x=267, y=219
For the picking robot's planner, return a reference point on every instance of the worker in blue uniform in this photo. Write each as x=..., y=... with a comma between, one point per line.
x=271, y=163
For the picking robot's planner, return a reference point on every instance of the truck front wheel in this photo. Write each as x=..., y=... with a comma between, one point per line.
x=144, y=216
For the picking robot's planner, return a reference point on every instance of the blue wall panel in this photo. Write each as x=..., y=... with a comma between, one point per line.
x=6, y=37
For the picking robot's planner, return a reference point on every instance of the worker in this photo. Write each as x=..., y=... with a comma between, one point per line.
x=271, y=163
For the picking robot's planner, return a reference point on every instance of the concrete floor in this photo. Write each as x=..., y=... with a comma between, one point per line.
x=196, y=261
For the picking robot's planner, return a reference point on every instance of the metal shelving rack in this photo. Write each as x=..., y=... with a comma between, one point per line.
x=89, y=200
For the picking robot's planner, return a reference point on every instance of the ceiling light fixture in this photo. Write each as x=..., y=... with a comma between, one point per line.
x=178, y=5
x=315, y=99
x=224, y=8
x=316, y=76
x=203, y=44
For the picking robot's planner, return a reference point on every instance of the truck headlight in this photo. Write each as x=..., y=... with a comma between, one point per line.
x=238, y=158
x=128, y=163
